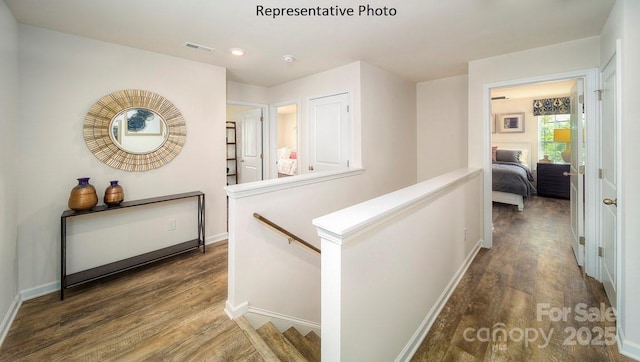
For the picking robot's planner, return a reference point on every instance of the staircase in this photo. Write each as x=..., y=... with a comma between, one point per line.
x=274, y=345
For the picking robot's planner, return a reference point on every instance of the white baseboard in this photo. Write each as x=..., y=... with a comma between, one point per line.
x=257, y=317
x=626, y=347
x=40, y=290
x=236, y=311
x=53, y=287
x=9, y=317
x=216, y=238
x=421, y=333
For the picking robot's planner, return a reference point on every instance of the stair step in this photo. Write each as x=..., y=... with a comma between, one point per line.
x=305, y=346
x=261, y=346
x=280, y=345
x=314, y=338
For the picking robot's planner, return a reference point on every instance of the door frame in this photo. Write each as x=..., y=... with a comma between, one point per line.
x=272, y=134
x=265, y=123
x=591, y=78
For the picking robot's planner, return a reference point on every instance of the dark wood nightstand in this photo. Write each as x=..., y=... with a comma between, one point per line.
x=552, y=182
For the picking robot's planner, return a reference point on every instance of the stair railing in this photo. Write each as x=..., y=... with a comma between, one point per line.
x=291, y=236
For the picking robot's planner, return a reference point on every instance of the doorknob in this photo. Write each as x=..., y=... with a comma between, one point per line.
x=310, y=168
x=610, y=202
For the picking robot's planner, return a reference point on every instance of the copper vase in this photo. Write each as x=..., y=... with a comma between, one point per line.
x=83, y=196
x=114, y=194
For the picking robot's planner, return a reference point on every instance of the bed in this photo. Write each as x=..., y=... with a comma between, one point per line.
x=511, y=176
x=287, y=162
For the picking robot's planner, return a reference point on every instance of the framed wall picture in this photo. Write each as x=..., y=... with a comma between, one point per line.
x=510, y=123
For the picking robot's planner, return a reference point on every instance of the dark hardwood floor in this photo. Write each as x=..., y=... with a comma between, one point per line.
x=174, y=310
x=508, y=306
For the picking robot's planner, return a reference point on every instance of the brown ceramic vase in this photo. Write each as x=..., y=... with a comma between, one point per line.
x=83, y=196
x=114, y=194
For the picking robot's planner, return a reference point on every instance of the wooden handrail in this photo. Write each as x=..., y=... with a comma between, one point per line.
x=291, y=236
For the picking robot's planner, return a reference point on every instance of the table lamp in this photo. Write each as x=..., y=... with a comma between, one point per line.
x=564, y=136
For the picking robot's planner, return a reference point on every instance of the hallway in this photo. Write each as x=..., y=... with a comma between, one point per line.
x=525, y=299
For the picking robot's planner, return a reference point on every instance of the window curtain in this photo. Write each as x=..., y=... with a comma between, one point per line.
x=549, y=106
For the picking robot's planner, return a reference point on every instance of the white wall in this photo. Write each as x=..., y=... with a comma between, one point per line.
x=8, y=158
x=61, y=77
x=388, y=265
x=530, y=134
x=559, y=58
x=386, y=120
x=624, y=24
x=388, y=126
x=442, y=126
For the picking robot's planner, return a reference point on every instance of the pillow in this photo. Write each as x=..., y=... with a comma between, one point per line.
x=293, y=155
x=284, y=152
x=508, y=156
x=493, y=152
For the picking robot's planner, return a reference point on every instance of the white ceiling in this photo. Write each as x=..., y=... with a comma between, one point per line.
x=426, y=39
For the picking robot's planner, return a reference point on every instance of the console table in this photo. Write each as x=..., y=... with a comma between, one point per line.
x=81, y=277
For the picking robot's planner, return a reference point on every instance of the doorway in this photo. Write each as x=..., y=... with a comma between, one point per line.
x=591, y=110
x=248, y=150
x=287, y=150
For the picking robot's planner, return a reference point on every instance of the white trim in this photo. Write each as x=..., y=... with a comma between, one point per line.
x=7, y=321
x=258, y=316
x=626, y=347
x=421, y=333
x=591, y=77
x=343, y=225
x=40, y=290
x=216, y=238
x=266, y=186
x=235, y=312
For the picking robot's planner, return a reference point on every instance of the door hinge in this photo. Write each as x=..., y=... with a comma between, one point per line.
x=600, y=251
x=581, y=169
x=581, y=240
x=348, y=109
x=581, y=98
x=599, y=91
x=261, y=118
x=600, y=173
x=261, y=156
x=347, y=163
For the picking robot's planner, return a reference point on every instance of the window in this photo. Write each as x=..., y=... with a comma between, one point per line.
x=547, y=146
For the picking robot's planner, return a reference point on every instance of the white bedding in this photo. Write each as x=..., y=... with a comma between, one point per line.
x=288, y=166
x=287, y=161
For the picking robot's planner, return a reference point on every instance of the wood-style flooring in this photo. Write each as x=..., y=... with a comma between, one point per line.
x=171, y=311
x=530, y=268
x=174, y=310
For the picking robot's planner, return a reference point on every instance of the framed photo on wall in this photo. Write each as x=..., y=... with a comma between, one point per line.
x=510, y=123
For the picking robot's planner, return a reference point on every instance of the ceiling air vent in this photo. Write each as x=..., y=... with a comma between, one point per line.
x=199, y=47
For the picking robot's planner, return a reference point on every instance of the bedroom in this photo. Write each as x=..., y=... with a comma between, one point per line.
x=529, y=132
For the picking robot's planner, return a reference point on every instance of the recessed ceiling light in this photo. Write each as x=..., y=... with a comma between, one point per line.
x=237, y=51
x=288, y=58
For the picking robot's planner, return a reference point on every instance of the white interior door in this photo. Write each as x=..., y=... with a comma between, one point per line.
x=577, y=170
x=250, y=162
x=329, y=132
x=609, y=179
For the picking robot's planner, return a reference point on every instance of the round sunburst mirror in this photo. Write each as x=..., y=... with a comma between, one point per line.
x=134, y=130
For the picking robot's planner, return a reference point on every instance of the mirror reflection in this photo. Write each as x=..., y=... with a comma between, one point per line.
x=138, y=130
